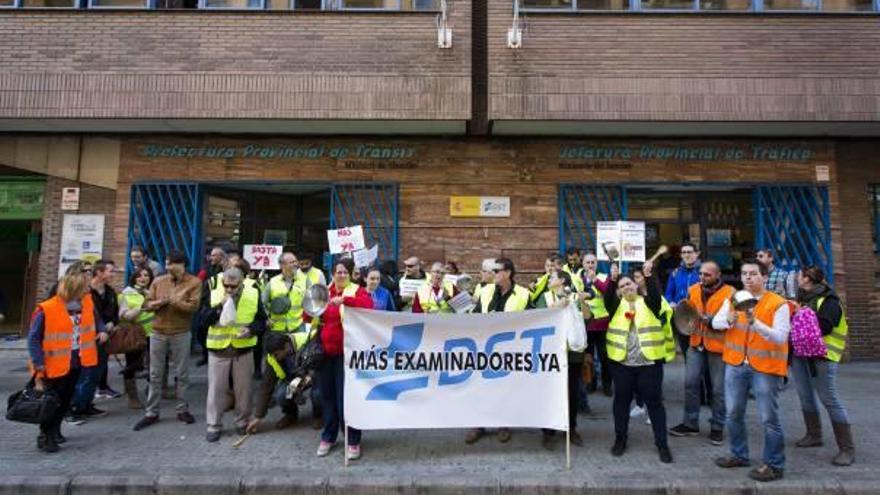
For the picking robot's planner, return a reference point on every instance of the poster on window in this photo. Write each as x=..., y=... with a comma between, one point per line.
x=82, y=239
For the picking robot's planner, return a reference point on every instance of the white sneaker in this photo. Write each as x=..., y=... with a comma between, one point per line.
x=324, y=448
x=636, y=411
x=353, y=452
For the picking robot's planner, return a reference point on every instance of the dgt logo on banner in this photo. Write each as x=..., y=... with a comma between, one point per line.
x=408, y=370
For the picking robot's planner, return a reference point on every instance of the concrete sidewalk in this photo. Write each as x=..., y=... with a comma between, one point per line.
x=106, y=456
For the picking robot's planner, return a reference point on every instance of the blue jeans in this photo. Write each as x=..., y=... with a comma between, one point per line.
x=824, y=384
x=737, y=380
x=88, y=383
x=331, y=380
x=695, y=364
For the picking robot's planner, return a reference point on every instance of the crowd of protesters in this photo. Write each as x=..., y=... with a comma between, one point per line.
x=250, y=327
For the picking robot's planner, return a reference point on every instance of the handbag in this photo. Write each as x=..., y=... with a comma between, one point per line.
x=33, y=407
x=128, y=337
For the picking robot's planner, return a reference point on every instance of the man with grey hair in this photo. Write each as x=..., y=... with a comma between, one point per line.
x=487, y=277
x=434, y=295
x=235, y=318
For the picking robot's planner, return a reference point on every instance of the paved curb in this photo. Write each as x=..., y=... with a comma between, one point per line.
x=301, y=483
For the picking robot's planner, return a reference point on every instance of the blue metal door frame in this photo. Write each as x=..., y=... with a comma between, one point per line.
x=792, y=219
x=375, y=206
x=795, y=222
x=166, y=216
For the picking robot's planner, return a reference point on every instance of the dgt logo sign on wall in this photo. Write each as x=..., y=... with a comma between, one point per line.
x=406, y=370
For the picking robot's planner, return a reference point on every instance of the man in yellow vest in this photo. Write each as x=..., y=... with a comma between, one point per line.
x=704, y=352
x=412, y=271
x=756, y=354
x=314, y=276
x=574, y=268
x=504, y=296
x=235, y=319
x=219, y=261
x=539, y=286
x=639, y=342
x=283, y=297
x=593, y=284
x=487, y=277
x=434, y=295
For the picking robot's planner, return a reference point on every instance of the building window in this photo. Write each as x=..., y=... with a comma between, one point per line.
x=232, y=4
x=42, y=4
x=119, y=4
x=667, y=5
x=701, y=5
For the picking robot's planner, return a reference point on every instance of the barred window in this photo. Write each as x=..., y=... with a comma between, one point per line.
x=874, y=198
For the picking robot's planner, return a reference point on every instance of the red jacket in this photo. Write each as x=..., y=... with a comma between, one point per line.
x=331, y=331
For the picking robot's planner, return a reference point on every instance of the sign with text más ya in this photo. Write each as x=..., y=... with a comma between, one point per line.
x=410, y=370
x=262, y=256
x=346, y=239
x=479, y=206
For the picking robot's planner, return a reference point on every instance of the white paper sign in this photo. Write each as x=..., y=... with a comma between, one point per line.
x=462, y=302
x=823, y=173
x=366, y=257
x=82, y=239
x=607, y=233
x=70, y=198
x=627, y=237
x=409, y=370
x=632, y=241
x=450, y=278
x=346, y=239
x=262, y=256
x=409, y=286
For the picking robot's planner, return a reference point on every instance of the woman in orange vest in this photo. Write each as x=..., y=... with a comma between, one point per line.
x=756, y=355
x=62, y=340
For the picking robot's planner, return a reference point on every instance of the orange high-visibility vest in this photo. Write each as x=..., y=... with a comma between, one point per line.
x=742, y=343
x=58, y=336
x=711, y=339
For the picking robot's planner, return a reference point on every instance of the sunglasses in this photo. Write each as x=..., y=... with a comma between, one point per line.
x=410, y=266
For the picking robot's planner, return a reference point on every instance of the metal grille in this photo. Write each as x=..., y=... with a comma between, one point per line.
x=795, y=222
x=165, y=217
x=581, y=206
x=372, y=205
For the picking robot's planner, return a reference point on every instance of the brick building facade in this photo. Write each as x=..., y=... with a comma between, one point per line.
x=477, y=119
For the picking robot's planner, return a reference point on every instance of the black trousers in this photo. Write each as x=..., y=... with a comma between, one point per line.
x=647, y=382
x=575, y=376
x=65, y=387
x=596, y=340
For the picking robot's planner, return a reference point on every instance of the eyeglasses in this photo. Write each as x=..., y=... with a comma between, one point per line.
x=231, y=286
x=688, y=252
x=703, y=274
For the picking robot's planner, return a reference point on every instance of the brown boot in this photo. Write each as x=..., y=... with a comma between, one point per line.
x=134, y=402
x=813, y=438
x=847, y=454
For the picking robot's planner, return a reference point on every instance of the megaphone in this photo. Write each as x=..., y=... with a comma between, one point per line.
x=315, y=300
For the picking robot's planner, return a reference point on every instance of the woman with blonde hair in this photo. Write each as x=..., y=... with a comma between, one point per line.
x=62, y=340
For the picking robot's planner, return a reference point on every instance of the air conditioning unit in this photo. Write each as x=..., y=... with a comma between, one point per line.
x=444, y=37
x=514, y=38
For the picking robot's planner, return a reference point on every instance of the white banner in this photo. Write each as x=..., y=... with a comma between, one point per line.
x=406, y=370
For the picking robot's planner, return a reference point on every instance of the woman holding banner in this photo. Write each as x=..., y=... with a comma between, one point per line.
x=639, y=341
x=331, y=374
x=558, y=294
